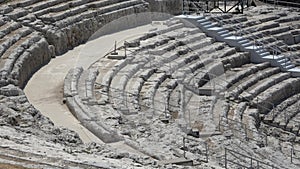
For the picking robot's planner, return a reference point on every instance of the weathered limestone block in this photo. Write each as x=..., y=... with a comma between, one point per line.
x=71, y=82
x=17, y=13
x=10, y=90
x=287, y=37
x=58, y=39
x=81, y=112
x=37, y=55
x=277, y=93
x=4, y=9
x=237, y=59
x=92, y=75
x=166, y=6
x=11, y=27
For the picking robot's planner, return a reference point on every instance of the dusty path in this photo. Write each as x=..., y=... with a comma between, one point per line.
x=44, y=90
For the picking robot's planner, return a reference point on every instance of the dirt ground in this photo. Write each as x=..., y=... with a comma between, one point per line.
x=11, y=166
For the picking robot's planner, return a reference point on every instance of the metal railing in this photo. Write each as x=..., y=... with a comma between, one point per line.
x=256, y=40
x=249, y=162
x=203, y=155
x=282, y=3
x=295, y=154
x=229, y=123
x=196, y=6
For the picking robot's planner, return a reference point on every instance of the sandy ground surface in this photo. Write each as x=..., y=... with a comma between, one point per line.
x=45, y=88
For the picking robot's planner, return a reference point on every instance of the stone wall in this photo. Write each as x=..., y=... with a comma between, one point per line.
x=166, y=6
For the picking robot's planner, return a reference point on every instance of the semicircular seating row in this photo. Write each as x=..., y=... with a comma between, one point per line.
x=177, y=74
x=33, y=31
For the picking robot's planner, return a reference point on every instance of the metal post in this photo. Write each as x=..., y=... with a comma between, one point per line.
x=225, y=158
x=207, y=9
x=251, y=162
x=184, y=147
x=125, y=48
x=86, y=95
x=257, y=103
x=219, y=122
x=225, y=10
x=292, y=154
x=115, y=51
x=165, y=110
x=242, y=6
x=190, y=119
x=246, y=130
x=206, y=146
x=126, y=94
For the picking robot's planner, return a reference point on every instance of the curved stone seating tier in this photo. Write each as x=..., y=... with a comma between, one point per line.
x=234, y=119
x=281, y=107
x=60, y=15
x=294, y=124
x=8, y=27
x=264, y=84
x=83, y=112
x=276, y=93
x=231, y=77
x=105, y=76
x=37, y=54
x=162, y=104
x=41, y=5
x=286, y=115
x=55, y=26
x=24, y=3
x=246, y=82
x=86, y=85
x=119, y=82
x=10, y=39
x=146, y=84
x=62, y=22
x=22, y=51
x=163, y=47
x=71, y=82
x=251, y=131
x=198, y=111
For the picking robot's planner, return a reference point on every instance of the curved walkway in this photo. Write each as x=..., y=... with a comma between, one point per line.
x=45, y=89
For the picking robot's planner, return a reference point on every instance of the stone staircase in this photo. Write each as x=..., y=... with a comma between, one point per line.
x=258, y=52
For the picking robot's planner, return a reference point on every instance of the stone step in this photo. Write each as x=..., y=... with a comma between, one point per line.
x=37, y=53
x=119, y=83
x=264, y=54
x=274, y=57
x=256, y=89
x=100, y=4
x=207, y=26
x=43, y=5
x=10, y=56
x=246, y=82
x=23, y=3
x=8, y=27
x=65, y=12
x=244, y=73
x=17, y=13
x=202, y=20
x=12, y=38
x=56, y=6
x=277, y=93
